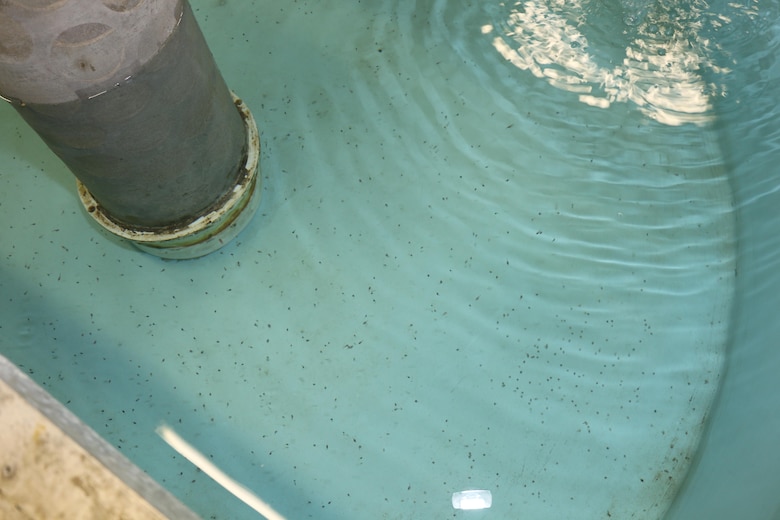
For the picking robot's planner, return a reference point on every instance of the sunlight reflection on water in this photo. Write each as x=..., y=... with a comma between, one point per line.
x=661, y=68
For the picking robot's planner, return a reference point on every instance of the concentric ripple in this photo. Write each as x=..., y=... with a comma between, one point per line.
x=660, y=59
x=474, y=266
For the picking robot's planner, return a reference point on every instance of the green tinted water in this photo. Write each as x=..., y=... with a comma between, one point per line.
x=495, y=250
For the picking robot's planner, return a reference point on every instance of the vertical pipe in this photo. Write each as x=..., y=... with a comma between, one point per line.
x=127, y=94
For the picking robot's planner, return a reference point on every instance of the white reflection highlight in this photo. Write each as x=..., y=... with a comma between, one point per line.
x=472, y=499
x=220, y=477
x=660, y=72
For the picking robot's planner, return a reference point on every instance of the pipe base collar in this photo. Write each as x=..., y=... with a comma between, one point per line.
x=206, y=233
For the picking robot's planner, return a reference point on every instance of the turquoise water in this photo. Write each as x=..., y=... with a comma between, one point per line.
x=496, y=249
x=735, y=472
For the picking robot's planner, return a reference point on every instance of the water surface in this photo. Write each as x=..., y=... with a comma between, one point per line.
x=490, y=254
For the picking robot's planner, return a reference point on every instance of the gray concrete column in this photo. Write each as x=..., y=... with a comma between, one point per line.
x=127, y=94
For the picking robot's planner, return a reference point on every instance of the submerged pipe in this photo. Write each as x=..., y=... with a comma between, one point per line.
x=127, y=94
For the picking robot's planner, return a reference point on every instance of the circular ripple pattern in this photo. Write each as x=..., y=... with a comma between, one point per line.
x=549, y=280
x=460, y=276
x=655, y=58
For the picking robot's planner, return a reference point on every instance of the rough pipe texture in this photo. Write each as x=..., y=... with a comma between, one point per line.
x=157, y=147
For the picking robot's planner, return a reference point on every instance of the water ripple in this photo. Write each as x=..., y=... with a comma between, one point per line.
x=528, y=266
x=461, y=274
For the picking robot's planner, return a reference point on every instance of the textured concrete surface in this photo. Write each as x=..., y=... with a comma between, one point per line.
x=44, y=474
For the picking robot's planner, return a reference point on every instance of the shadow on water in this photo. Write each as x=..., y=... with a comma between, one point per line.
x=124, y=397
